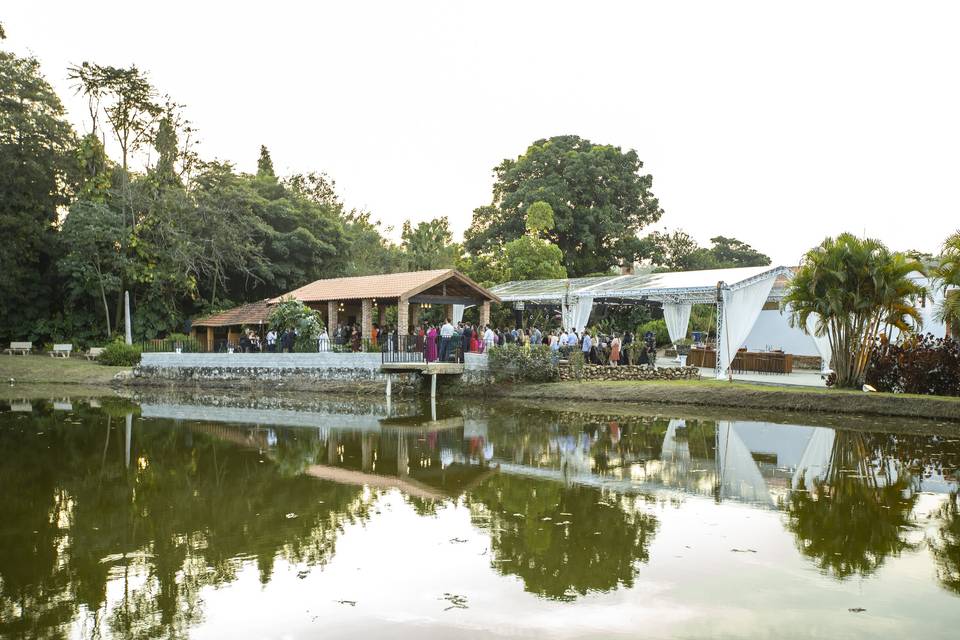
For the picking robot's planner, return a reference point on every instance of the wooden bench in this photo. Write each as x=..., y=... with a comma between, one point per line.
x=19, y=348
x=61, y=351
x=93, y=353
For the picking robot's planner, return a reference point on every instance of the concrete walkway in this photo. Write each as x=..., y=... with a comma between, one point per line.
x=799, y=378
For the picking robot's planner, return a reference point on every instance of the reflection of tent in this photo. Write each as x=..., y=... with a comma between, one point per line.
x=815, y=462
x=738, y=475
x=674, y=452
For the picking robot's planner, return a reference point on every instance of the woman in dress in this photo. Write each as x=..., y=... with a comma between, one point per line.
x=432, y=344
x=615, y=351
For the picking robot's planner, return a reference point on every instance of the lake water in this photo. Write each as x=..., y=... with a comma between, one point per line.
x=223, y=518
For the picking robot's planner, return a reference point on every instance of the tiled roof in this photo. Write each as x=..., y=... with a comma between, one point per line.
x=389, y=285
x=251, y=313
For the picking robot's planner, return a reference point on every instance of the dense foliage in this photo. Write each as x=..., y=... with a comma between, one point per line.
x=917, y=364
x=534, y=363
x=600, y=202
x=120, y=354
x=293, y=314
x=947, y=275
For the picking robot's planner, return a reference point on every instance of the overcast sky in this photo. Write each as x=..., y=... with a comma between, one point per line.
x=776, y=124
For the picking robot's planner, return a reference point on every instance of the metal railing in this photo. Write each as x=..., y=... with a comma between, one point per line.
x=402, y=349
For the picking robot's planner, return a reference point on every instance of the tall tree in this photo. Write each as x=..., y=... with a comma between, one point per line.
x=530, y=257
x=265, y=163
x=947, y=275
x=599, y=196
x=429, y=245
x=37, y=176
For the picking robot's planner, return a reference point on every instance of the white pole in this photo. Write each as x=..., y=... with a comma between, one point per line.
x=128, y=438
x=126, y=303
x=389, y=384
x=433, y=386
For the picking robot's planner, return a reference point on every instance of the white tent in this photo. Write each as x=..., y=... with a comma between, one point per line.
x=739, y=294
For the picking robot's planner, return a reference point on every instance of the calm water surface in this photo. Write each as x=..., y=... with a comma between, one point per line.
x=218, y=518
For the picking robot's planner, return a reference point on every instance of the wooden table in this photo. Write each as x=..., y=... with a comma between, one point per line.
x=752, y=361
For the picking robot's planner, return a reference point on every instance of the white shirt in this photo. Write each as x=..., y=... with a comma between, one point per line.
x=572, y=339
x=446, y=331
x=488, y=336
x=271, y=337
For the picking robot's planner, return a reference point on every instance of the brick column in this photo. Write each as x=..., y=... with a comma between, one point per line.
x=366, y=318
x=331, y=317
x=403, y=317
x=381, y=315
x=485, y=313
x=414, y=314
x=448, y=311
x=209, y=339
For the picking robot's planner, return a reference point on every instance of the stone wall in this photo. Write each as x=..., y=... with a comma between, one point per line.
x=631, y=372
x=296, y=371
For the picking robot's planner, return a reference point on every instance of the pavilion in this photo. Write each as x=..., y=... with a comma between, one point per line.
x=360, y=299
x=225, y=327
x=740, y=295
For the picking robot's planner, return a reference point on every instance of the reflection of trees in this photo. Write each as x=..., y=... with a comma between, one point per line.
x=852, y=520
x=946, y=546
x=188, y=513
x=558, y=539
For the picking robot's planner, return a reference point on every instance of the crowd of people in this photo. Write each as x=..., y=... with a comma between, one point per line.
x=447, y=342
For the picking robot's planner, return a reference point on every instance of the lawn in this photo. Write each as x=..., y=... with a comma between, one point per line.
x=44, y=369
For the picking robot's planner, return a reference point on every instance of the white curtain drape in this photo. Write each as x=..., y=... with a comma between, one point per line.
x=822, y=343
x=741, y=308
x=458, y=312
x=580, y=316
x=677, y=317
x=740, y=478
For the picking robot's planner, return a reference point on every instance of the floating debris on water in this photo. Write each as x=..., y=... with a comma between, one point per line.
x=744, y=550
x=291, y=516
x=856, y=610
x=456, y=601
x=352, y=603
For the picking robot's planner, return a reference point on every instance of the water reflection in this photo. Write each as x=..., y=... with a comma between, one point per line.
x=116, y=517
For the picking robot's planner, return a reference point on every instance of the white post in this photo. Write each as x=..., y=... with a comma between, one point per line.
x=433, y=386
x=126, y=304
x=389, y=384
x=129, y=437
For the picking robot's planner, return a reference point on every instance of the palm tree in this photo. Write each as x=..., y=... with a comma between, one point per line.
x=947, y=276
x=855, y=288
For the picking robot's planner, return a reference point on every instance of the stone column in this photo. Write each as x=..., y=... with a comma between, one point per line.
x=485, y=313
x=381, y=315
x=448, y=312
x=366, y=318
x=414, y=314
x=403, y=316
x=331, y=317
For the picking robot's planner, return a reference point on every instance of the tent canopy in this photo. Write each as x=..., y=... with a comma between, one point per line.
x=675, y=286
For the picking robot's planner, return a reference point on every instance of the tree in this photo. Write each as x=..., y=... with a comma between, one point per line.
x=93, y=263
x=429, y=245
x=855, y=288
x=265, y=163
x=599, y=198
x=37, y=177
x=678, y=251
x=947, y=276
x=530, y=257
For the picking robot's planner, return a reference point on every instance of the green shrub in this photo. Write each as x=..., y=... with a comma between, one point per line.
x=533, y=363
x=577, y=363
x=120, y=354
x=659, y=328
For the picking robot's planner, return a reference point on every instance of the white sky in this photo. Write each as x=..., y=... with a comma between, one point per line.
x=776, y=124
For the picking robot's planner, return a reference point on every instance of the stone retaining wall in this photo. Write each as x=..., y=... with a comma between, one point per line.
x=631, y=372
x=301, y=371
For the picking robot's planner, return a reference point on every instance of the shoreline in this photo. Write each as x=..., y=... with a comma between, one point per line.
x=34, y=375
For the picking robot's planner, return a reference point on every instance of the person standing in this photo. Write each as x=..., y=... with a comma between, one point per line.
x=468, y=337
x=446, y=334
x=488, y=338
x=431, y=346
x=272, y=341
x=615, y=351
x=586, y=346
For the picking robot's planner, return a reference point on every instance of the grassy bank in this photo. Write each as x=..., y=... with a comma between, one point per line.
x=740, y=395
x=60, y=371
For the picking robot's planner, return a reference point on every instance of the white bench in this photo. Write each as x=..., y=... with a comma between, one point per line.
x=61, y=351
x=93, y=353
x=21, y=348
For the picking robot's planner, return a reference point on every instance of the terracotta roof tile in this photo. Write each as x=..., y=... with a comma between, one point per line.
x=251, y=313
x=390, y=285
